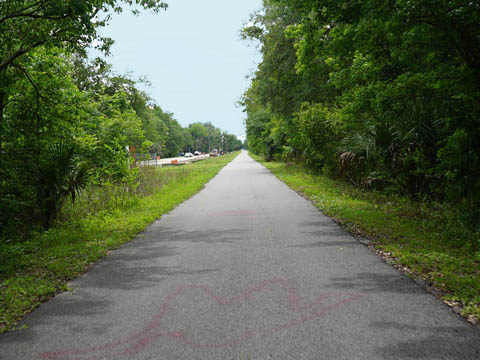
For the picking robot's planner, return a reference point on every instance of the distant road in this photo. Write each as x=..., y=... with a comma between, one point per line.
x=246, y=269
x=169, y=161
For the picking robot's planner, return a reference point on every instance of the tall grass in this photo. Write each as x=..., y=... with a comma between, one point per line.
x=143, y=181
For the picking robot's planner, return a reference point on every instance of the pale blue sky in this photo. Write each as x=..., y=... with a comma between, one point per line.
x=192, y=54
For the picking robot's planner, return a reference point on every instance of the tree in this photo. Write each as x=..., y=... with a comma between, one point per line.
x=382, y=93
x=47, y=110
x=174, y=140
x=199, y=133
x=26, y=25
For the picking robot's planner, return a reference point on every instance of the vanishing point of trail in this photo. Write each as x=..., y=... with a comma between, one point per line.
x=246, y=269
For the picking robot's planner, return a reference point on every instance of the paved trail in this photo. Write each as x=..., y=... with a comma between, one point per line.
x=246, y=269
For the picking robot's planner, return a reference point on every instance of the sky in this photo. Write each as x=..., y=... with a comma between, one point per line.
x=193, y=56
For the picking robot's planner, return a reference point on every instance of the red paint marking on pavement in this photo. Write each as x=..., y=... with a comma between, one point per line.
x=152, y=331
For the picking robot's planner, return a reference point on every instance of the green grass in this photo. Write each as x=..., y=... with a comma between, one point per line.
x=424, y=239
x=33, y=271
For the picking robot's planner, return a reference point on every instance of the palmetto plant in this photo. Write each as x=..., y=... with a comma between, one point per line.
x=417, y=124
x=354, y=152
x=59, y=175
x=400, y=145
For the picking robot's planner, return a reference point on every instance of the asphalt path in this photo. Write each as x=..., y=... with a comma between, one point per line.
x=246, y=269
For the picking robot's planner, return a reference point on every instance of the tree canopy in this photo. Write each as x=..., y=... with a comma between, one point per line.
x=381, y=93
x=66, y=121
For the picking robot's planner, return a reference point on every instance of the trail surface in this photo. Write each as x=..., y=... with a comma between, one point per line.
x=246, y=269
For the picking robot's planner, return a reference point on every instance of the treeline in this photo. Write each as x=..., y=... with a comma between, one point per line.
x=384, y=94
x=65, y=121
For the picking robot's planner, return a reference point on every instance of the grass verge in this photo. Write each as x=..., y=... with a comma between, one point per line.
x=33, y=271
x=423, y=240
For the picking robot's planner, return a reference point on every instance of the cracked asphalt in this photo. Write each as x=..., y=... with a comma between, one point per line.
x=246, y=269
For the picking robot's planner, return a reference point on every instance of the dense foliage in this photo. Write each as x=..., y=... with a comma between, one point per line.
x=65, y=121
x=385, y=94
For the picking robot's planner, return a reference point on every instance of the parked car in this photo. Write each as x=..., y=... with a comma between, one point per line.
x=214, y=152
x=181, y=154
x=197, y=153
x=188, y=154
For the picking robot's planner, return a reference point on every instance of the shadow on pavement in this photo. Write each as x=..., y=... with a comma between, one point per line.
x=322, y=223
x=112, y=274
x=439, y=342
x=211, y=236
x=377, y=282
x=130, y=268
x=66, y=304
x=324, y=244
x=329, y=234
